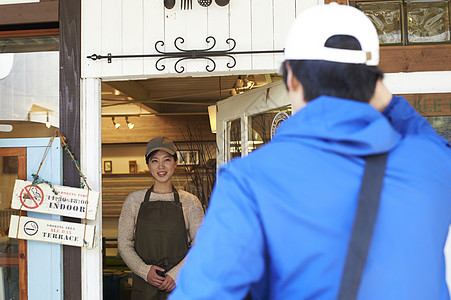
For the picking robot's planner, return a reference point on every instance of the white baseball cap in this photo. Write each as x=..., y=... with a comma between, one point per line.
x=309, y=33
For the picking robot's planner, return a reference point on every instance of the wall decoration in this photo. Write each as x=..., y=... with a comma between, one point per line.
x=107, y=166
x=184, y=54
x=187, y=157
x=132, y=167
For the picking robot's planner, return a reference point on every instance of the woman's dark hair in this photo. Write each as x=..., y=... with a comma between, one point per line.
x=151, y=154
x=348, y=81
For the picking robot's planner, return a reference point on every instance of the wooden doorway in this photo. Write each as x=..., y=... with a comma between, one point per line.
x=13, y=253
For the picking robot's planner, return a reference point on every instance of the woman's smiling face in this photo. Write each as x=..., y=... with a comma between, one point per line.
x=162, y=166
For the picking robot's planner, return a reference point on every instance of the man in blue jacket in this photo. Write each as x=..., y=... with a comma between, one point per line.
x=280, y=219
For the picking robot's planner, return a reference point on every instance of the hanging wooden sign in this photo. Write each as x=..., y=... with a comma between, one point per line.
x=58, y=232
x=68, y=201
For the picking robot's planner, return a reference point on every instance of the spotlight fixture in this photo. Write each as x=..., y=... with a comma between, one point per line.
x=117, y=125
x=244, y=83
x=129, y=124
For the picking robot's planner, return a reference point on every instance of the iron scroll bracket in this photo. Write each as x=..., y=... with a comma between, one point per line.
x=183, y=54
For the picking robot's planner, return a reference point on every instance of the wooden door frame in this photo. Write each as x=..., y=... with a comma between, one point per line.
x=21, y=153
x=69, y=119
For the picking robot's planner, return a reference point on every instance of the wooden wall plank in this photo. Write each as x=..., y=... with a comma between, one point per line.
x=132, y=36
x=112, y=36
x=415, y=58
x=42, y=12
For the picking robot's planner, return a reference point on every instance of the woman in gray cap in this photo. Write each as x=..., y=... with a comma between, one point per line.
x=157, y=226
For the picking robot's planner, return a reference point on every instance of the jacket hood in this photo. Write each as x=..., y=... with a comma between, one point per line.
x=340, y=125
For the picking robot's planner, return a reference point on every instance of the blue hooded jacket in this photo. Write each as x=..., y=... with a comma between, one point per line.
x=280, y=219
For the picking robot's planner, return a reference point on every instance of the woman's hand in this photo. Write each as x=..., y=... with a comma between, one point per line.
x=153, y=278
x=168, y=284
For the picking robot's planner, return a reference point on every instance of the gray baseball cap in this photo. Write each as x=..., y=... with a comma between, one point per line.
x=160, y=143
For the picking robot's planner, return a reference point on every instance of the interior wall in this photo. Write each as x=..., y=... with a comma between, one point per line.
x=27, y=130
x=177, y=128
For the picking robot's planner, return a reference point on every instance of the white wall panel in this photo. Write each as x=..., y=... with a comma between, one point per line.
x=304, y=4
x=123, y=27
x=112, y=42
x=154, y=18
x=91, y=34
x=284, y=16
x=133, y=36
x=241, y=31
x=175, y=26
x=195, y=33
x=218, y=26
x=262, y=33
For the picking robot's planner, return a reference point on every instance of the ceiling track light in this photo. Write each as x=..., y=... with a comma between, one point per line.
x=129, y=124
x=116, y=125
x=244, y=83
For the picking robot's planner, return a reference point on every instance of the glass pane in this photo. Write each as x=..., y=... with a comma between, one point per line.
x=9, y=248
x=29, y=87
x=428, y=22
x=29, y=44
x=442, y=125
x=262, y=126
x=234, y=138
x=386, y=17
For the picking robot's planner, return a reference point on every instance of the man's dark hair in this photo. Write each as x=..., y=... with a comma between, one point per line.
x=151, y=154
x=348, y=81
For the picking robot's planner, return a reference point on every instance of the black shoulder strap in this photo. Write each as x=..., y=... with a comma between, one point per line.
x=362, y=230
x=174, y=190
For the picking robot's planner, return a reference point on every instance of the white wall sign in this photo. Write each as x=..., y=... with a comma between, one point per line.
x=69, y=202
x=57, y=232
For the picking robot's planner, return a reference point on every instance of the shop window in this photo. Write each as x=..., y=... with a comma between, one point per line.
x=408, y=22
x=233, y=130
x=29, y=93
x=262, y=126
x=29, y=44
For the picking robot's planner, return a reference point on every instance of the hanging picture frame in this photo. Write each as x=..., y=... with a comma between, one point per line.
x=107, y=166
x=187, y=157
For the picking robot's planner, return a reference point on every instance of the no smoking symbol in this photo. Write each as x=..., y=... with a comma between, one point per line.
x=31, y=196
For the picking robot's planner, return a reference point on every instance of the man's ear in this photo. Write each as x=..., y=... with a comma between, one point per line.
x=293, y=83
x=295, y=90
